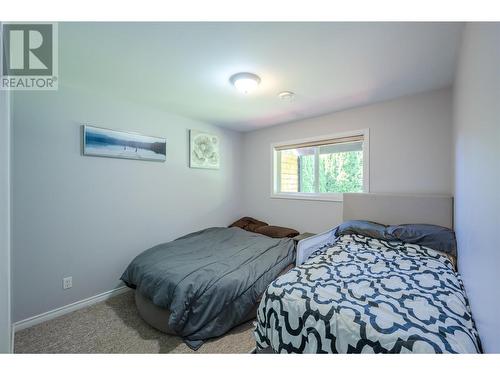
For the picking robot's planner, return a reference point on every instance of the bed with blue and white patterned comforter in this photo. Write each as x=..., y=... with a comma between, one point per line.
x=365, y=295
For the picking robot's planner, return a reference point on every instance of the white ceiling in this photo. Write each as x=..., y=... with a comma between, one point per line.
x=184, y=67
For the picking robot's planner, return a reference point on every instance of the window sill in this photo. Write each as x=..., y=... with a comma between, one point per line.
x=339, y=197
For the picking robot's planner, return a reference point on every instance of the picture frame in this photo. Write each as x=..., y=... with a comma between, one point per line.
x=204, y=150
x=110, y=143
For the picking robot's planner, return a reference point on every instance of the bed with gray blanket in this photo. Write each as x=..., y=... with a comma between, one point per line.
x=209, y=281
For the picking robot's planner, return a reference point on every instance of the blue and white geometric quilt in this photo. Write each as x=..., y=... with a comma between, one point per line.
x=364, y=295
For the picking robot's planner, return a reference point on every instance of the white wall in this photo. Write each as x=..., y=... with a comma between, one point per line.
x=5, y=128
x=87, y=217
x=477, y=175
x=410, y=152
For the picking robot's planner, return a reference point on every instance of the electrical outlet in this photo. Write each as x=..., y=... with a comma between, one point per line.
x=67, y=282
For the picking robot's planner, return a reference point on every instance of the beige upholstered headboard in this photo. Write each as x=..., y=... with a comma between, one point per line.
x=399, y=208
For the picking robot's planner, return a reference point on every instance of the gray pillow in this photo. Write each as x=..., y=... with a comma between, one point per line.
x=433, y=236
x=363, y=228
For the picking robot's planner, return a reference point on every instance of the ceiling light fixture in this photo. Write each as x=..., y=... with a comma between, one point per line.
x=245, y=82
x=286, y=95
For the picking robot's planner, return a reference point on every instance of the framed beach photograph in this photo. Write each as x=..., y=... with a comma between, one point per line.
x=118, y=144
x=203, y=150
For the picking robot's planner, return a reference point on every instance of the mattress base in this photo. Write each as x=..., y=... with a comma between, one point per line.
x=153, y=315
x=158, y=317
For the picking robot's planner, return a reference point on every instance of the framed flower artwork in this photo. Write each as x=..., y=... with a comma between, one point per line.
x=203, y=150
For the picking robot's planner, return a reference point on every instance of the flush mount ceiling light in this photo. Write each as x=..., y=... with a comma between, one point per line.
x=286, y=95
x=245, y=82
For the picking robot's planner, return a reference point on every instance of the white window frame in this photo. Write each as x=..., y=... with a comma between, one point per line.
x=335, y=197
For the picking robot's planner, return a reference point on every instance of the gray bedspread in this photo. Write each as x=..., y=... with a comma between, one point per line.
x=209, y=280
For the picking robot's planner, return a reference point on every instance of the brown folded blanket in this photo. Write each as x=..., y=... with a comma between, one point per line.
x=253, y=225
x=248, y=223
x=277, y=232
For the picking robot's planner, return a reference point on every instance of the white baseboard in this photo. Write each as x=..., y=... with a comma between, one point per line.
x=12, y=339
x=37, y=319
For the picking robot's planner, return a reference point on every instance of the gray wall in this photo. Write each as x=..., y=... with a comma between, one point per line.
x=5, y=128
x=410, y=152
x=477, y=175
x=87, y=217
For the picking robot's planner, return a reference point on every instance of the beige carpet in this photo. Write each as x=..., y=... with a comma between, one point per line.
x=114, y=326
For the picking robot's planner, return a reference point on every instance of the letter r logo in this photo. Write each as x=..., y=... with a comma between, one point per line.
x=27, y=50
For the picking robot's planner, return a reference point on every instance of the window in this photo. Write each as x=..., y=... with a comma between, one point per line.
x=321, y=168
